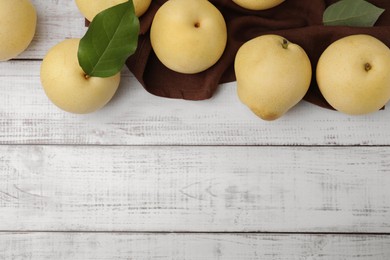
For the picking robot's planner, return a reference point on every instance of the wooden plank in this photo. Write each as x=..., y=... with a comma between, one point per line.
x=57, y=20
x=101, y=246
x=134, y=117
x=200, y=189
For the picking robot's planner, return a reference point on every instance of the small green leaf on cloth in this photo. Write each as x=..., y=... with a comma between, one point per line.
x=111, y=38
x=357, y=13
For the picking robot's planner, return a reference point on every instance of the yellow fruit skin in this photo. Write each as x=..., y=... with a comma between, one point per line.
x=18, y=20
x=271, y=79
x=353, y=74
x=65, y=83
x=90, y=8
x=258, y=4
x=188, y=36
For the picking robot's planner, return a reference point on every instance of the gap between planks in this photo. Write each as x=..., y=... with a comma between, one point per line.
x=197, y=233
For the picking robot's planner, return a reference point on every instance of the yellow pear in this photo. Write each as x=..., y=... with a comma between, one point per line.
x=258, y=4
x=272, y=74
x=18, y=20
x=66, y=84
x=188, y=36
x=91, y=8
x=353, y=74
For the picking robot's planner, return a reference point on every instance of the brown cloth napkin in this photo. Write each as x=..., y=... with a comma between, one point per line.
x=299, y=21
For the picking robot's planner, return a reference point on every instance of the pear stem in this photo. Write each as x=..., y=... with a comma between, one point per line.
x=86, y=76
x=367, y=66
x=285, y=44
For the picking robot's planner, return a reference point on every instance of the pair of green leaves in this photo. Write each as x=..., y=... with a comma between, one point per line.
x=111, y=38
x=352, y=13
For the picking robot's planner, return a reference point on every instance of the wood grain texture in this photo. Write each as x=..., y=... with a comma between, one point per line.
x=100, y=246
x=134, y=117
x=57, y=20
x=154, y=165
x=218, y=189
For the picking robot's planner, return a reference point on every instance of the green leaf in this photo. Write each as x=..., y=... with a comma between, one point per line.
x=111, y=38
x=357, y=13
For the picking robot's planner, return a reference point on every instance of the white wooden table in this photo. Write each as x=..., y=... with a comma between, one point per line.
x=154, y=178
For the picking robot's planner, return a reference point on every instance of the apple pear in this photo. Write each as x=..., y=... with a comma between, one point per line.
x=353, y=74
x=91, y=8
x=188, y=36
x=272, y=74
x=258, y=4
x=66, y=84
x=18, y=20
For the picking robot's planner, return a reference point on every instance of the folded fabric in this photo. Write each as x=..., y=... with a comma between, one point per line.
x=299, y=21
